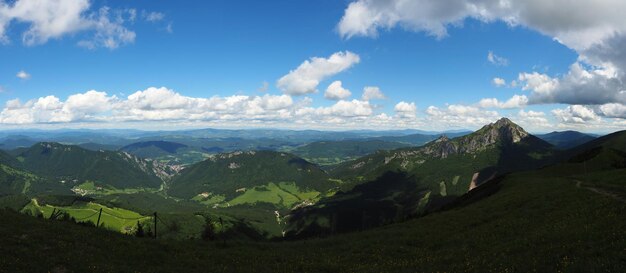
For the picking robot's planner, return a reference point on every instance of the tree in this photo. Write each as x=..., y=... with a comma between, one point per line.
x=208, y=234
x=139, y=232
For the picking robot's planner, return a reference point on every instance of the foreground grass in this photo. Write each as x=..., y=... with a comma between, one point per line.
x=534, y=223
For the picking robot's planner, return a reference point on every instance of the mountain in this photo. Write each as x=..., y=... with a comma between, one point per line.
x=604, y=153
x=75, y=165
x=538, y=221
x=333, y=152
x=566, y=139
x=232, y=174
x=392, y=185
x=152, y=149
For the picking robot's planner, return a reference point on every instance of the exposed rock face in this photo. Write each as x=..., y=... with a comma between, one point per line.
x=503, y=131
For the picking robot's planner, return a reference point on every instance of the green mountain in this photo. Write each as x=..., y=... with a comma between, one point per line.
x=535, y=221
x=73, y=165
x=232, y=174
x=566, y=139
x=153, y=149
x=392, y=185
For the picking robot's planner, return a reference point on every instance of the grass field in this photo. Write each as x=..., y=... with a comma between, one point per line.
x=283, y=194
x=117, y=219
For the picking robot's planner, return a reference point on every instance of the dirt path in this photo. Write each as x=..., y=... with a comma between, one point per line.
x=601, y=191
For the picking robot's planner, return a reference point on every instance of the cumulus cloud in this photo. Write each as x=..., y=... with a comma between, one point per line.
x=613, y=110
x=578, y=86
x=23, y=75
x=595, y=30
x=306, y=78
x=516, y=101
x=405, y=109
x=163, y=104
x=498, y=82
x=576, y=114
x=372, y=93
x=532, y=119
x=497, y=60
x=336, y=92
x=53, y=19
x=461, y=116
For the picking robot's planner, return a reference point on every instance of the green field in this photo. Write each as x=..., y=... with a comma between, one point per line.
x=117, y=219
x=282, y=194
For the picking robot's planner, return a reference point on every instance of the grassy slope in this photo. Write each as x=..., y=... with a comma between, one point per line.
x=537, y=221
x=227, y=173
x=117, y=219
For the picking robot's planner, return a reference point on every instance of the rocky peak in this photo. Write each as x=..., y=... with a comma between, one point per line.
x=442, y=138
x=503, y=130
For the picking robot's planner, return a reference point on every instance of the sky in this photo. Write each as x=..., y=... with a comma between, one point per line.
x=327, y=64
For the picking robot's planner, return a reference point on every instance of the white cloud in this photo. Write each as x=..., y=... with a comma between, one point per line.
x=153, y=16
x=516, y=101
x=336, y=92
x=578, y=86
x=461, y=116
x=596, y=30
x=405, y=109
x=613, y=110
x=532, y=120
x=498, y=82
x=372, y=93
x=264, y=87
x=53, y=19
x=497, y=60
x=306, y=78
x=576, y=114
x=23, y=75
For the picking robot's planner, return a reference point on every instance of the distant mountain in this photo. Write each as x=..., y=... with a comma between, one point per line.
x=604, y=153
x=97, y=146
x=75, y=165
x=16, y=141
x=566, y=139
x=396, y=184
x=232, y=174
x=333, y=152
x=153, y=149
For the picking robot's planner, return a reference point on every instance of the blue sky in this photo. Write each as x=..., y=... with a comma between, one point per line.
x=223, y=49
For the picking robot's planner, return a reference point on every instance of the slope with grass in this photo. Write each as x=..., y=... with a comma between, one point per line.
x=233, y=173
x=391, y=186
x=535, y=221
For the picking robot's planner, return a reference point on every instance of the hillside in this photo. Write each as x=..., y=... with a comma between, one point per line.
x=394, y=185
x=232, y=174
x=152, y=149
x=537, y=221
x=73, y=165
x=566, y=139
